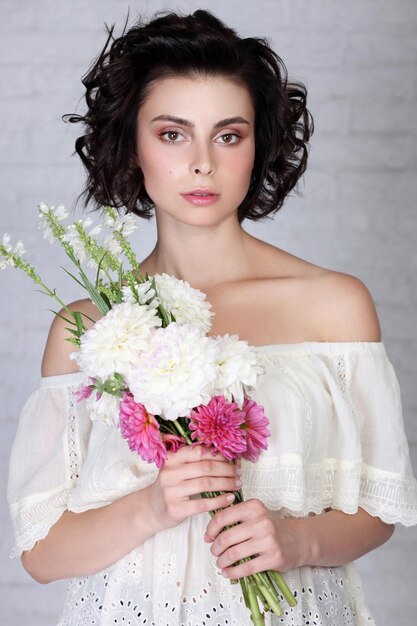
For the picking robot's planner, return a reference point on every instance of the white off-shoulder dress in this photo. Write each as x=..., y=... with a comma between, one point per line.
x=337, y=440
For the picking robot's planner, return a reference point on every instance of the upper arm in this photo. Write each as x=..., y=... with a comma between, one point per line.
x=56, y=358
x=346, y=310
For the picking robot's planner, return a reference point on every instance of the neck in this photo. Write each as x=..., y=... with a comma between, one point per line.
x=204, y=256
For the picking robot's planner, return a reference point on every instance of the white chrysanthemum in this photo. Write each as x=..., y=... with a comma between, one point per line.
x=104, y=407
x=146, y=294
x=115, y=341
x=237, y=367
x=186, y=304
x=176, y=372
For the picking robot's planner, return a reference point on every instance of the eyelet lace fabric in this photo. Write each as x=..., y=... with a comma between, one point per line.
x=337, y=441
x=73, y=439
x=126, y=593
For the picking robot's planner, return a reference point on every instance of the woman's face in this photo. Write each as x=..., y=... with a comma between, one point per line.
x=196, y=133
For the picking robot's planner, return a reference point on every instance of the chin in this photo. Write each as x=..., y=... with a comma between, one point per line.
x=198, y=216
x=206, y=219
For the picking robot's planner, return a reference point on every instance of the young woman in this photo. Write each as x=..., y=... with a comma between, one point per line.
x=190, y=122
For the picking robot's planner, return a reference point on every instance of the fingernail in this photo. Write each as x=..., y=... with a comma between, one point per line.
x=239, y=483
x=238, y=471
x=207, y=538
x=230, y=497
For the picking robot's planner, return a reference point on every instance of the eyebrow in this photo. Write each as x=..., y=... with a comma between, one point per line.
x=179, y=120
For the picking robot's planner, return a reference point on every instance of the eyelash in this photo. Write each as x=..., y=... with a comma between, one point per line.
x=177, y=132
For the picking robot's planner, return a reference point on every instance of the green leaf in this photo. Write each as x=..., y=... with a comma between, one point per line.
x=95, y=295
x=61, y=316
x=89, y=318
x=120, y=277
x=106, y=299
x=74, y=340
x=73, y=277
x=73, y=331
x=79, y=323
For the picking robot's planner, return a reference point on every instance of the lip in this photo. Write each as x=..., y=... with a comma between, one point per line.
x=200, y=190
x=201, y=200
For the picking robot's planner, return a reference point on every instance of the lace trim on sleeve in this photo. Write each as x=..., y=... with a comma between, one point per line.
x=345, y=485
x=33, y=516
x=33, y=521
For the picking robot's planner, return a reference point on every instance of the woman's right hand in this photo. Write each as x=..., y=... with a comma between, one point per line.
x=189, y=472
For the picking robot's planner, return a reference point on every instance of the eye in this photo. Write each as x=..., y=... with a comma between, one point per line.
x=230, y=138
x=170, y=136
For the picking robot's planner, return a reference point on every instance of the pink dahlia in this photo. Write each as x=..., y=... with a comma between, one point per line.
x=218, y=425
x=173, y=442
x=141, y=430
x=255, y=428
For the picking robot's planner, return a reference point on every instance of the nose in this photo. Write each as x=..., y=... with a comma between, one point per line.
x=202, y=161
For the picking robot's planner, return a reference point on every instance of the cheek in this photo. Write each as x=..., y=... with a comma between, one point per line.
x=156, y=162
x=242, y=162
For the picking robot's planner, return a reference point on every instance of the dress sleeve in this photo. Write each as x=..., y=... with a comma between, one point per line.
x=46, y=458
x=337, y=433
x=387, y=486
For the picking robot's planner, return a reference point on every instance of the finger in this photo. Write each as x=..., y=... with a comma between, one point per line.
x=240, y=512
x=236, y=553
x=208, y=483
x=231, y=537
x=207, y=468
x=189, y=454
x=204, y=505
x=255, y=565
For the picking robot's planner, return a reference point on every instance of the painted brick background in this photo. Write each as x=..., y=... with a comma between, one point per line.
x=357, y=214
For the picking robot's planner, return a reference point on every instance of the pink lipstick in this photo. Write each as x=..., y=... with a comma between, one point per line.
x=201, y=196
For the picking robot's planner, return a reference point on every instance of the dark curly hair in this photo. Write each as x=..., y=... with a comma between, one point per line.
x=200, y=44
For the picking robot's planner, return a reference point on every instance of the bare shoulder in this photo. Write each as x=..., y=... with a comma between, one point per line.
x=323, y=304
x=343, y=307
x=56, y=358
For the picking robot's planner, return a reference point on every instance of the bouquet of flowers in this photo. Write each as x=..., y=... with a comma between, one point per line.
x=151, y=369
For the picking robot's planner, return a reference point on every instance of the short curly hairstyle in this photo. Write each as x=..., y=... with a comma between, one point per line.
x=172, y=44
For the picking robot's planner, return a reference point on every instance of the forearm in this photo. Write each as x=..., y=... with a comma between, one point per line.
x=335, y=538
x=80, y=544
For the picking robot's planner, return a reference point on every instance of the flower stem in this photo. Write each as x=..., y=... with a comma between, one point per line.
x=283, y=587
x=245, y=592
x=182, y=432
x=256, y=615
x=268, y=591
x=261, y=597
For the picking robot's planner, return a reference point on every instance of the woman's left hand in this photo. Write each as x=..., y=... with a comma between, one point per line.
x=273, y=541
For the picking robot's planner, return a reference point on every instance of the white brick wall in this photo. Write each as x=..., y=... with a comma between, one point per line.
x=359, y=60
